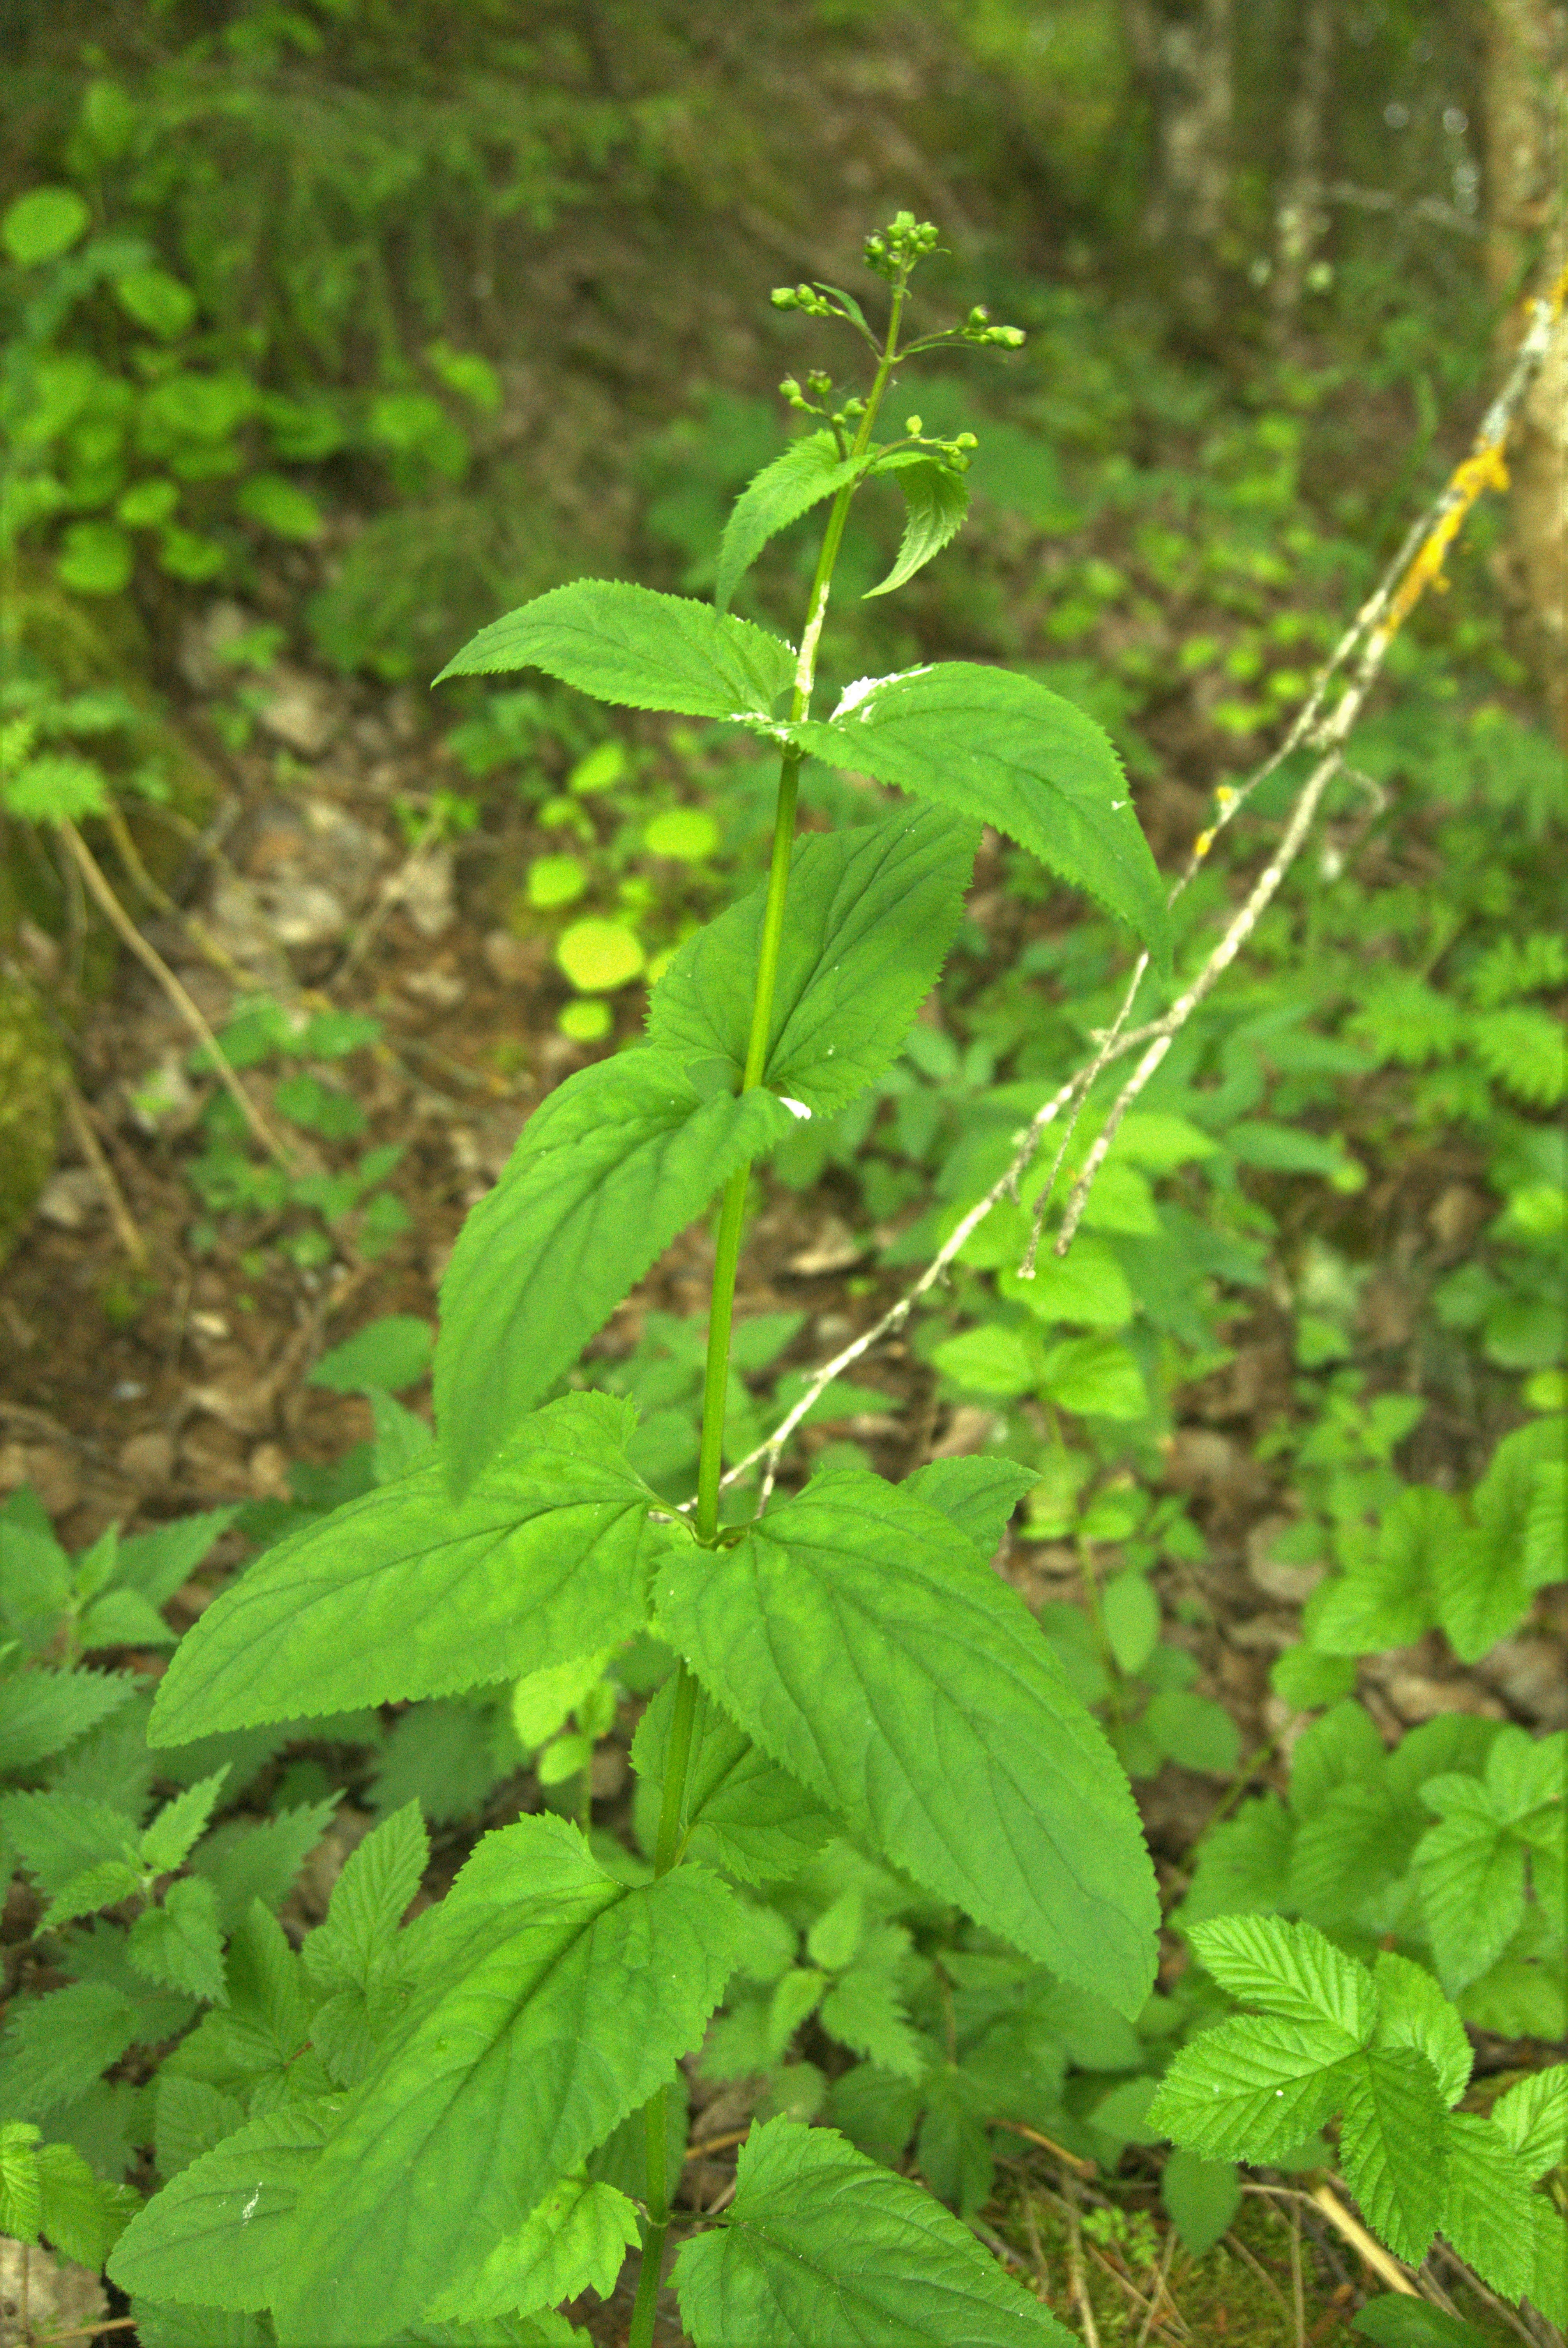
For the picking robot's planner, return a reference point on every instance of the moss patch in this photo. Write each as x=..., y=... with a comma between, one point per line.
x=33, y=1069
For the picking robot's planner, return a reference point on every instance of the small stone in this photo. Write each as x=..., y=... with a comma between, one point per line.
x=269, y=1471
x=148, y=1459
x=244, y=1403
x=62, y=2299
x=54, y=1474
x=303, y=913
x=71, y=1197
x=607, y=1772
x=513, y=961
x=441, y=988
x=835, y=1249
x=298, y=710
x=969, y=1430
x=1416, y=1698
x=426, y=896
x=1292, y=1584
x=203, y=641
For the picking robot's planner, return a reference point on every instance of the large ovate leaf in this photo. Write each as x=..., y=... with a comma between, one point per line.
x=824, y=2249
x=618, y=1160
x=552, y=1999
x=218, y=2233
x=743, y=1811
x=406, y=1592
x=935, y=503
x=1002, y=749
x=868, y=919
x=807, y=471
x=642, y=650
x=877, y=1660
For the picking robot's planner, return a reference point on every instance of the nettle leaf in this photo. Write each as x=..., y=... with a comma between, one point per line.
x=617, y=1161
x=807, y=471
x=178, y=1944
x=1533, y=2118
x=935, y=503
x=55, y=2048
x=248, y=1860
x=42, y=1712
x=165, y=1843
x=868, y=919
x=217, y=2234
x=1002, y=749
x=1393, y=2147
x=405, y=1593
x=368, y=1901
x=1488, y=2213
x=824, y=2249
x=642, y=650
x=744, y=1812
x=891, y=1673
x=576, y=2240
x=552, y=2001
x=155, y=1563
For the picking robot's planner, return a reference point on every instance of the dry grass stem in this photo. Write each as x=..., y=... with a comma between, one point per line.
x=127, y=1229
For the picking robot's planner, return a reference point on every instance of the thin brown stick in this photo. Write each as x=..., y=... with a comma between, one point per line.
x=1153, y=2316
x=1296, y=2292
x=152, y=961
x=87, y=2330
x=1384, y=2265
x=1036, y=2247
x=716, y=2143
x=195, y=929
x=88, y=1142
x=1047, y=2143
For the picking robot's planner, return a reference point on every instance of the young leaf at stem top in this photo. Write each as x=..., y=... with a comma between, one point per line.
x=807, y=471
x=935, y=504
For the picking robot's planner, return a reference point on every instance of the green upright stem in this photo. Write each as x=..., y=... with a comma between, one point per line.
x=726, y=1264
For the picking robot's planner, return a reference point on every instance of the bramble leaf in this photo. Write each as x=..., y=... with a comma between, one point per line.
x=1290, y=1969
x=618, y=1160
x=935, y=503
x=1533, y=2118
x=645, y=650
x=1002, y=749
x=806, y=472
x=552, y=1999
x=894, y=1674
x=404, y=1593
x=824, y=2249
x=1254, y=2086
x=1413, y=2011
x=1471, y=1870
x=1488, y=2208
x=1392, y=1599
x=868, y=918
x=1392, y=2146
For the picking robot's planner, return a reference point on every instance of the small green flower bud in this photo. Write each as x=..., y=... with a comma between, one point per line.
x=966, y=440
x=1012, y=338
x=980, y=315
x=913, y=427
x=784, y=298
x=818, y=384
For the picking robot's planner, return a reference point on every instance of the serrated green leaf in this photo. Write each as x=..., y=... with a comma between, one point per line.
x=1342, y=1748
x=553, y=2000
x=404, y=1593
x=1488, y=2211
x=868, y=918
x=251, y=1858
x=42, y=1712
x=190, y=2117
x=1485, y=1591
x=1471, y=1872
x=1549, y=2289
x=1397, y=2320
x=806, y=472
x=54, y=2048
x=1546, y=1526
x=1413, y=2011
x=155, y=1563
x=619, y=1160
x=826, y=2250
x=122, y=1618
x=999, y=748
x=865, y=2012
x=1342, y=1854
x=402, y=1438
x=744, y=1812
x=219, y=2233
x=1243, y=1864
x=161, y=2325
x=21, y=2195
x=1525, y=1775
x=1392, y=2146
x=976, y=1495
x=165, y=1843
x=1292, y=1970
x=1201, y=2196
x=1392, y=1600
x=935, y=501
x=645, y=650
x=177, y=1943
x=103, y=1886
x=368, y=1900
x=83, y=2215
x=1253, y=2087
x=576, y=2240
x=912, y=1692
x=1532, y=2116
x=61, y=1837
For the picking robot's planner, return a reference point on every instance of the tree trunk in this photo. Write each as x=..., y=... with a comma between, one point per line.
x=1299, y=220
x=1526, y=246
x=1181, y=52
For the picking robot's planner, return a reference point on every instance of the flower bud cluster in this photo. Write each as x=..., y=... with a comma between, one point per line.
x=903, y=242
x=978, y=328
x=806, y=298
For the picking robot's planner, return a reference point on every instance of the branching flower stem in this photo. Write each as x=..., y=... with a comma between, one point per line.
x=726, y=1263
x=1317, y=726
